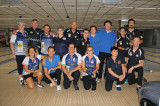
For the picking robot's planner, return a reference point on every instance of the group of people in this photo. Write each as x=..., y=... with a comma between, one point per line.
x=77, y=55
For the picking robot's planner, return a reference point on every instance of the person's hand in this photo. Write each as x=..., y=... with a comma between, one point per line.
x=49, y=71
x=43, y=62
x=14, y=56
x=70, y=77
x=130, y=70
x=121, y=77
x=56, y=36
x=70, y=73
x=53, y=83
x=94, y=75
x=37, y=71
x=131, y=43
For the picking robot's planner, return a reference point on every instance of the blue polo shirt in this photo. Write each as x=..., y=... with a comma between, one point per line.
x=107, y=40
x=94, y=41
x=53, y=64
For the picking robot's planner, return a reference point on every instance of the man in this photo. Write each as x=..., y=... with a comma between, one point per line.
x=52, y=66
x=72, y=33
x=71, y=63
x=82, y=42
x=107, y=41
x=132, y=32
x=135, y=63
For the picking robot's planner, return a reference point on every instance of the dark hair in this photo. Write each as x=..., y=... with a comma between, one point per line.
x=137, y=37
x=60, y=27
x=114, y=48
x=92, y=27
x=50, y=47
x=121, y=28
x=34, y=20
x=48, y=26
x=85, y=29
x=108, y=21
x=31, y=47
x=72, y=44
x=131, y=20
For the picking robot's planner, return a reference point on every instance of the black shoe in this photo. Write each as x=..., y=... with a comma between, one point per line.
x=144, y=80
x=81, y=78
x=76, y=87
x=93, y=88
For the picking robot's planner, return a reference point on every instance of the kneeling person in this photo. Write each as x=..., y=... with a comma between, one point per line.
x=90, y=66
x=31, y=67
x=71, y=63
x=116, y=70
x=52, y=66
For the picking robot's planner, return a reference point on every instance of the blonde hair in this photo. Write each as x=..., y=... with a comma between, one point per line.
x=90, y=47
x=35, y=49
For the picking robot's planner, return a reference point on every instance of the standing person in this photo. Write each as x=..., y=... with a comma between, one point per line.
x=61, y=43
x=52, y=66
x=107, y=41
x=116, y=70
x=132, y=32
x=94, y=39
x=82, y=42
x=46, y=41
x=31, y=67
x=18, y=45
x=90, y=66
x=123, y=43
x=72, y=33
x=135, y=63
x=71, y=63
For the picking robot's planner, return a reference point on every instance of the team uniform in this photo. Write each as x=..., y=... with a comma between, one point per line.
x=94, y=41
x=46, y=41
x=135, y=33
x=32, y=65
x=54, y=73
x=61, y=45
x=20, y=44
x=72, y=36
x=107, y=41
x=134, y=58
x=90, y=66
x=116, y=67
x=124, y=43
x=34, y=37
x=81, y=45
x=70, y=64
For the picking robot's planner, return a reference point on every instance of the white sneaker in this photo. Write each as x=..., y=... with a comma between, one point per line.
x=21, y=81
x=58, y=87
x=51, y=84
x=98, y=80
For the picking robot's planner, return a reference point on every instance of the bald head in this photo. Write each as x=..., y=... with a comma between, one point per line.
x=74, y=25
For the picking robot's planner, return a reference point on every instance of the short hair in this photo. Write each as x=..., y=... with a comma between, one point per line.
x=72, y=44
x=92, y=27
x=31, y=47
x=48, y=26
x=20, y=22
x=108, y=21
x=121, y=28
x=131, y=20
x=114, y=48
x=35, y=20
x=137, y=37
x=90, y=47
x=60, y=27
x=85, y=29
x=51, y=47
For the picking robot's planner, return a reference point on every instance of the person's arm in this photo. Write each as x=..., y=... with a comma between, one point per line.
x=121, y=48
x=75, y=69
x=27, y=70
x=112, y=73
x=55, y=68
x=123, y=70
x=83, y=66
x=12, y=42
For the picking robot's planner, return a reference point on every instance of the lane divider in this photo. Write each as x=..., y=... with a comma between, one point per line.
x=5, y=54
x=6, y=61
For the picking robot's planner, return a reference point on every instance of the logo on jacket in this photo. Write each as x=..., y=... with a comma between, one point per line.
x=74, y=60
x=69, y=35
x=119, y=61
x=92, y=62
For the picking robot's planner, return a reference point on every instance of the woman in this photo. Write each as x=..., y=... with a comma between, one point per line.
x=31, y=67
x=116, y=70
x=60, y=43
x=90, y=66
x=18, y=45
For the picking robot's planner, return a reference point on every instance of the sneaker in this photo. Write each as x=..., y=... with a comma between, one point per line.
x=58, y=87
x=51, y=84
x=55, y=79
x=21, y=81
x=126, y=81
x=93, y=88
x=118, y=87
x=138, y=87
x=81, y=78
x=98, y=80
x=76, y=87
x=40, y=85
x=144, y=80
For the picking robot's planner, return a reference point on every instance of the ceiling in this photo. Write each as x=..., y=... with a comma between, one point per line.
x=85, y=12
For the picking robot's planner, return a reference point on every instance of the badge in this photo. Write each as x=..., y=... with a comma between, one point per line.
x=130, y=36
x=69, y=35
x=92, y=62
x=20, y=46
x=120, y=42
x=119, y=62
x=42, y=45
x=130, y=53
x=49, y=36
x=64, y=38
x=137, y=55
x=35, y=61
x=127, y=43
x=83, y=43
x=75, y=36
x=31, y=32
x=74, y=59
x=53, y=44
x=37, y=33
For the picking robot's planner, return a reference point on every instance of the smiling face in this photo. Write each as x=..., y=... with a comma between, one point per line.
x=131, y=24
x=71, y=48
x=21, y=26
x=107, y=26
x=93, y=30
x=51, y=52
x=46, y=29
x=34, y=24
x=136, y=42
x=90, y=51
x=74, y=25
x=32, y=52
x=122, y=31
x=60, y=31
x=114, y=53
x=85, y=34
